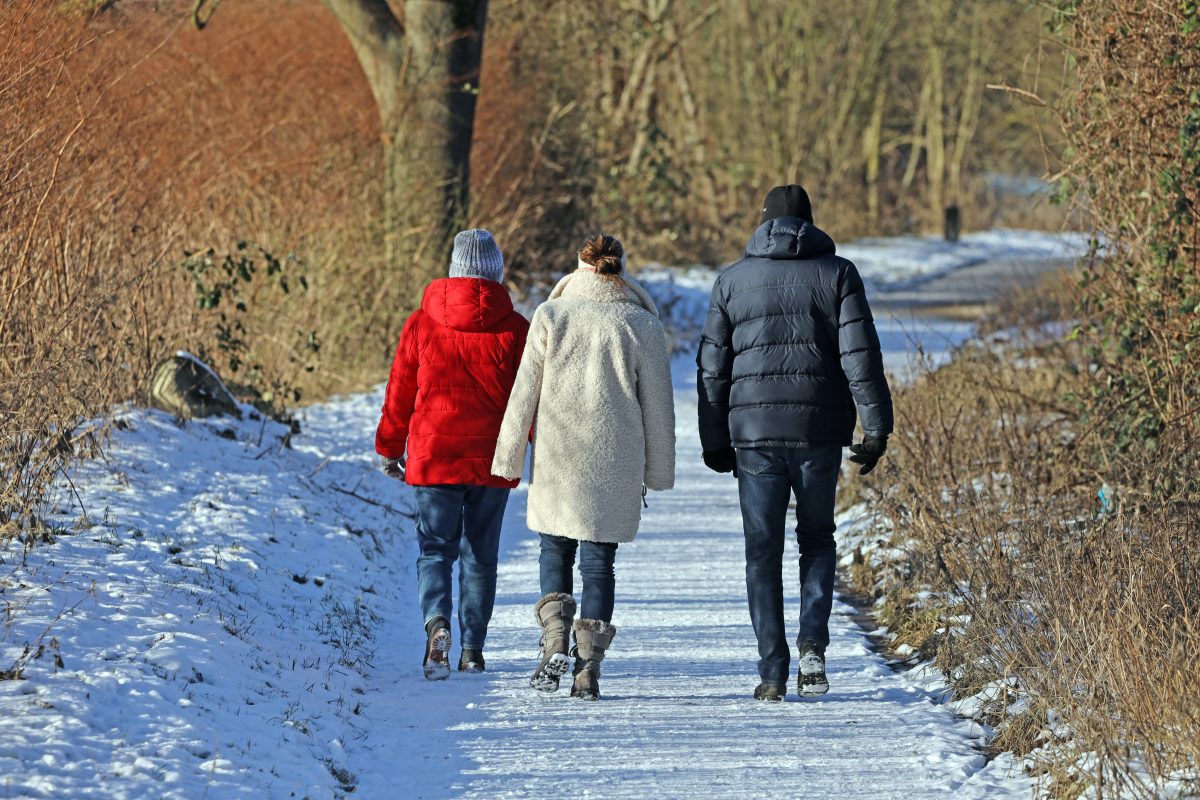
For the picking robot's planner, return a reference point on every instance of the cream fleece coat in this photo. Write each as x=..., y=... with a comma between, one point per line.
x=596, y=376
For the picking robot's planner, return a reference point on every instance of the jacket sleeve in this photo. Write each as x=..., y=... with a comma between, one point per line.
x=401, y=395
x=518, y=353
x=862, y=361
x=509, y=460
x=714, y=374
x=657, y=400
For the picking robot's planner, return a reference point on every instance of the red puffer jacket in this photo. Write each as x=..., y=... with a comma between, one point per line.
x=454, y=369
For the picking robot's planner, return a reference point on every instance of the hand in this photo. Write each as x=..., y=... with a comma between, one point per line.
x=868, y=453
x=721, y=461
x=393, y=467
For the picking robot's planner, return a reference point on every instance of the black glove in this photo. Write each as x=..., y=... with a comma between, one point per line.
x=392, y=467
x=868, y=453
x=721, y=461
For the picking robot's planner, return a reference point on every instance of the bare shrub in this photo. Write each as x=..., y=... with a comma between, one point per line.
x=1087, y=614
x=1045, y=487
x=1135, y=131
x=128, y=138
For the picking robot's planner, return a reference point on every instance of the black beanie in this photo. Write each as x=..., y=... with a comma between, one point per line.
x=787, y=201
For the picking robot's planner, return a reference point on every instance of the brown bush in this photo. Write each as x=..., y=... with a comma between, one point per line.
x=1047, y=488
x=127, y=138
x=1091, y=617
x=1134, y=125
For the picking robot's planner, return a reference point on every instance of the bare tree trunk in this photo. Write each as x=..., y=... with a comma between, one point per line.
x=872, y=148
x=972, y=99
x=914, y=154
x=693, y=135
x=935, y=134
x=424, y=76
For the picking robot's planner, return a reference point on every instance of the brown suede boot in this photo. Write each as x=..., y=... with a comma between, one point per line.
x=554, y=614
x=592, y=638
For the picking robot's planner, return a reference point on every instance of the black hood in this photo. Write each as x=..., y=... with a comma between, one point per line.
x=789, y=237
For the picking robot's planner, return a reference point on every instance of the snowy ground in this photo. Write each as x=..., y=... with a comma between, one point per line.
x=892, y=265
x=904, y=276
x=222, y=615
x=233, y=621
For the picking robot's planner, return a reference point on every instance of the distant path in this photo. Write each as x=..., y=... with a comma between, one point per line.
x=676, y=719
x=970, y=287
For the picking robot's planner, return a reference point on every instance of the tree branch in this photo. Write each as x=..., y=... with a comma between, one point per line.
x=1025, y=93
x=199, y=18
x=368, y=23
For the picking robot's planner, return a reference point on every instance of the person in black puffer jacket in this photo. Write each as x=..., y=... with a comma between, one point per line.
x=789, y=350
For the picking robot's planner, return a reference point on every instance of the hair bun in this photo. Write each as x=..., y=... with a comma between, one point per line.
x=605, y=253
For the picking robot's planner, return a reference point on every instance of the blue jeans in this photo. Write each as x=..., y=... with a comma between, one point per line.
x=556, y=563
x=459, y=523
x=767, y=477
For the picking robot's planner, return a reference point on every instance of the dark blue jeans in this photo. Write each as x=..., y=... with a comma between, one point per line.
x=459, y=523
x=767, y=477
x=557, y=561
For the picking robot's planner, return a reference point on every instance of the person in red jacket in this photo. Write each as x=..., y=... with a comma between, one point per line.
x=446, y=396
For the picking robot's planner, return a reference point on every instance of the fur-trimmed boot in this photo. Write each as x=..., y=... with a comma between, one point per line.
x=554, y=614
x=592, y=638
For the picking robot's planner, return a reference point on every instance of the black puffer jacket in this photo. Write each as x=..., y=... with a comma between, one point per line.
x=789, y=347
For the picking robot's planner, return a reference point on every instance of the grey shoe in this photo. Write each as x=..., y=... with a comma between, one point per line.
x=772, y=692
x=811, y=680
x=554, y=613
x=437, y=649
x=592, y=638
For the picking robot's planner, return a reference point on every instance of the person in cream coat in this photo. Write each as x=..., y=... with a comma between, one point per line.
x=596, y=377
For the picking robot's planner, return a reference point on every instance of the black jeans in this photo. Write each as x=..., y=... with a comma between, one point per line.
x=556, y=563
x=767, y=477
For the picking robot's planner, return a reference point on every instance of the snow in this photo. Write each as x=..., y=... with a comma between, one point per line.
x=236, y=617
x=252, y=631
x=206, y=608
x=894, y=271
x=901, y=262
x=908, y=340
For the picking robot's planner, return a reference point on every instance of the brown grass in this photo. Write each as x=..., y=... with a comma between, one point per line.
x=128, y=138
x=1096, y=616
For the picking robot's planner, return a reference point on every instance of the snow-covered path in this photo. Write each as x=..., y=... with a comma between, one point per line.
x=220, y=612
x=676, y=718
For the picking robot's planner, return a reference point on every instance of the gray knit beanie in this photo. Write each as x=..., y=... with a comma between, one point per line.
x=476, y=256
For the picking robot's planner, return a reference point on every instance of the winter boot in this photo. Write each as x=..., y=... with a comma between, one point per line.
x=554, y=613
x=592, y=638
x=773, y=692
x=811, y=680
x=471, y=660
x=437, y=649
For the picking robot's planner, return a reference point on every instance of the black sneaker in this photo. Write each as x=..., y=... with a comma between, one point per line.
x=471, y=661
x=771, y=692
x=811, y=680
x=437, y=649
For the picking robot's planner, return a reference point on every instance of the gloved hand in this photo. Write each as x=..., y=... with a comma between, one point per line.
x=392, y=467
x=868, y=453
x=721, y=461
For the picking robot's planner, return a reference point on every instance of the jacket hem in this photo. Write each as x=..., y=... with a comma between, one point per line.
x=579, y=536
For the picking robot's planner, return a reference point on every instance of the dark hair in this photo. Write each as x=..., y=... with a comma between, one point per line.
x=603, y=252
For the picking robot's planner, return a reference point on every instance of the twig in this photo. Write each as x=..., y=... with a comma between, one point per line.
x=74, y=491
x=369, y=501
x=1025, y=93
